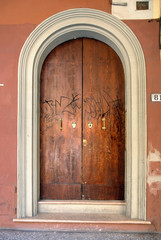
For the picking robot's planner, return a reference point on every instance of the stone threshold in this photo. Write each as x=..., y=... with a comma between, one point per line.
x=81, y=218
x=84, y=202
x=79, y=207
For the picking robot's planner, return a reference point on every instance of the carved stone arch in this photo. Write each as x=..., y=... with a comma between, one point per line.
x=53, y=31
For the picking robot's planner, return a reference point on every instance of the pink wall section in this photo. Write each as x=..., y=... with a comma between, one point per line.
x=17, y=20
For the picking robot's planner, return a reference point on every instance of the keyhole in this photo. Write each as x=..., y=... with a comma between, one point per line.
x=90, y=125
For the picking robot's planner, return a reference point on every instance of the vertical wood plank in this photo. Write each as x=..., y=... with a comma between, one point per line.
x=103, y=97
x=61, y=98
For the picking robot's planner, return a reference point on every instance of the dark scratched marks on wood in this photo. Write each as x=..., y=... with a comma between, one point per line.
x=98, y=107
x=55, y=107
x=72, y=106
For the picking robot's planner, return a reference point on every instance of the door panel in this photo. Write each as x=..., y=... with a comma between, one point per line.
x=61, y=100
x=103, y=105
x=82, y=83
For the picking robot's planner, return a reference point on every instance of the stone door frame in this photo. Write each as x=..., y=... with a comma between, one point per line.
x=61, y=27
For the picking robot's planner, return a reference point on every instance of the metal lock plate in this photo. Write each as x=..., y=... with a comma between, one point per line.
x=90, y=125
x=74, y=124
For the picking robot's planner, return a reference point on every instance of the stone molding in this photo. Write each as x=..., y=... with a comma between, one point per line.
x=66, y=25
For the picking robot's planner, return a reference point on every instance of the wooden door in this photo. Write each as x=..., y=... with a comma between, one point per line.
x=103, y=107
x=82, y=92
x=61, y=100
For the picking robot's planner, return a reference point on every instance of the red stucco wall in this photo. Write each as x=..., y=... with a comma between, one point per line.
x=17, y=20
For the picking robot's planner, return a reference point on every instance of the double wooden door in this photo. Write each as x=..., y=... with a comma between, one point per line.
x=82, y=123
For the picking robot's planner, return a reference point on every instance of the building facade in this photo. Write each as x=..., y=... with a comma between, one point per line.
x=46, y=46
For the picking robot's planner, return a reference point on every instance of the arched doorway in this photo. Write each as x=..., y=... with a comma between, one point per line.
x=82, y=123
x=64, y=26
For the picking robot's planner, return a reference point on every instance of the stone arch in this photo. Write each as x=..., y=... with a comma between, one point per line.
x=53, y=31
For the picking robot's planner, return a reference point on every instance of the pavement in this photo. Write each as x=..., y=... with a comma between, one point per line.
x=6, y=234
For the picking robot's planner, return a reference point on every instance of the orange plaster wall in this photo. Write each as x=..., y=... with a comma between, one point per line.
x=35, y=11
x=17, y=20
x=147, y=33
x=11, y=41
